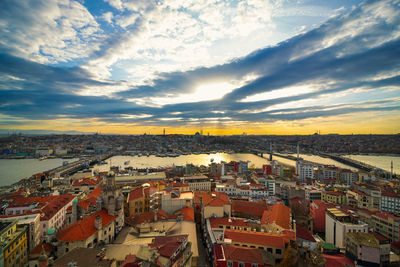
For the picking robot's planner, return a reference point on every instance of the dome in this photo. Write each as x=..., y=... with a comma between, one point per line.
x=51, y=231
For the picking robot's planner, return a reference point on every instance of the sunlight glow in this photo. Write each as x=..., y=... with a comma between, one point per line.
x=279, y=93
x=205, y=92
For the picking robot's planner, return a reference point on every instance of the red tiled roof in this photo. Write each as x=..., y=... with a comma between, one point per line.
x=83, y=229
x=238, y=254
x=136, y=193
x=168, y=245
x=304, y=234
x=216, y=222
x=257, y=238
x=188, y=214
x=249, y=208
x=35, y=253
x=386, y=215
x=390, y=194
x=96, y=192
x=337, y=260
x=279, y=214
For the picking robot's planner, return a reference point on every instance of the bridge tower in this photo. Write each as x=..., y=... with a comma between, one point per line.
x=270, y=151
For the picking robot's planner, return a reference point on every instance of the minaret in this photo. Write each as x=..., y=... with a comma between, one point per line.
x=164, y=131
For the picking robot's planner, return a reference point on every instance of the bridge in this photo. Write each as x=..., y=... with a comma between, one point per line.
x=75, y=166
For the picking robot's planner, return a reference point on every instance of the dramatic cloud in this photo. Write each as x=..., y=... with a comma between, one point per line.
x=173, y=63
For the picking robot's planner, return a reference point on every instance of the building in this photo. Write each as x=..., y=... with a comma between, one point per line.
x=198, y=182
x=139, y=200
x=272, y=243
x=304, y=171
x=31, y=221
x=387, y=225
x=98, y=228
x=176, y=200
x=135, y=179
x=53, y=209
x=305, y=239
x=368, y=248
x=317, y=212
x=337, y=197
x=348, y=177
x=247, y=209
x=85, y=185
x=276, y=219
x=14, y=244
x=390, y=202
x=312, y=193
x=226, y=255
x=337, y=224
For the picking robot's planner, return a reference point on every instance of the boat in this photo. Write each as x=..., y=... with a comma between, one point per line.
x=127, y=162
x=65, y=163
x=43, y=158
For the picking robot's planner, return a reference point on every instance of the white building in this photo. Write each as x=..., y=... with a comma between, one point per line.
x=304, y=171
x=337, y=224
x=198, y=182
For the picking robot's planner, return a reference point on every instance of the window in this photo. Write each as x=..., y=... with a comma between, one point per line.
x=230, y=264
x=278, y=251
x=241, y=264
x=254, y=265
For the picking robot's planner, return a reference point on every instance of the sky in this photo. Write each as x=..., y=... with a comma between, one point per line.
x=224, y=67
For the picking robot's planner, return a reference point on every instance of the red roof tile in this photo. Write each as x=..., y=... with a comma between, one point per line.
x=168, y=245
x=279, y=214
x=304, y=234
x=337, y=260
x=216, y=222
x=188, y=214
x=238, y=254
x=257, y=238
x=248, y=208
x=83, y=229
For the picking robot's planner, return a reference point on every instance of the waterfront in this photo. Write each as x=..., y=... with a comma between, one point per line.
x=382, y=162
x=13, y=170
x=200, y=159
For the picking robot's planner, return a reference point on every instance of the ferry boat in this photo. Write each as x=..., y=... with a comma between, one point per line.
x=43, y=158
x=127, y=162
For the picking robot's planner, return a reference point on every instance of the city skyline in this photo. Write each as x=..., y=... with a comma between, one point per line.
x=224, y=67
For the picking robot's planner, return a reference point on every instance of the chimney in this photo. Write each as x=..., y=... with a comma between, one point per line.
x=98, y=222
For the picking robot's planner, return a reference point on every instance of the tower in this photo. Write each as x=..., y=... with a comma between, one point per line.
x=111, y=199
x=270, y=151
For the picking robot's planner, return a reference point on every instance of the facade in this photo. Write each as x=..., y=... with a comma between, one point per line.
x=32, y=222
x=390, y=202
x=176, y=200
x=387, y=225
x=317, y=212
x=139, y=200
x=52, y=209
x=15, y=244
x=198, y=183
x=348, y=177
x=272, y=243
x=337, y=224
x=98, y=228
x=304, y=171
x=336, y=197
x=368, y=248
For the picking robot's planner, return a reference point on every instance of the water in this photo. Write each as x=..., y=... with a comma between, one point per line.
x=382, y=162
x=201, y=159
x=324, y=161
x=13, y=170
